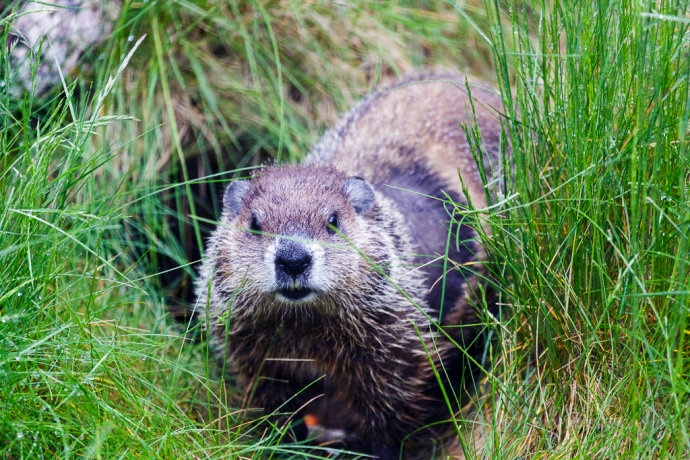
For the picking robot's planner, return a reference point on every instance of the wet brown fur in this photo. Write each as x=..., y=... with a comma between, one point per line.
x=360, y=354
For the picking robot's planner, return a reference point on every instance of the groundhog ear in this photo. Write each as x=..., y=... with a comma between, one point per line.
x=234, y=196
x=359, y=193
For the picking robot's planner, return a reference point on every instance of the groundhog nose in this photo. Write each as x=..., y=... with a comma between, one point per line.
x=292, y=258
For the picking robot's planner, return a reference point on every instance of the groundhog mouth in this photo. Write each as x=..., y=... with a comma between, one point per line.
x=295, y=294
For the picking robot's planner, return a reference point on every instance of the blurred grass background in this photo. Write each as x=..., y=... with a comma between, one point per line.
x=110, y=184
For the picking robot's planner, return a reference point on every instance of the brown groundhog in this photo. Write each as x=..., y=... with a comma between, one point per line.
x=346, y=290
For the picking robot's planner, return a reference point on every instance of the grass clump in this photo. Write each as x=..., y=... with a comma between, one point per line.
x=595, y=239
x=89, y=363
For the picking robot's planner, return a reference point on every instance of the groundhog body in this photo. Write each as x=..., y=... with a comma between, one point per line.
x=345, y=289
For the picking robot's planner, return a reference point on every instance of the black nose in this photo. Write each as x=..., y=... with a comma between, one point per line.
x=292, y=258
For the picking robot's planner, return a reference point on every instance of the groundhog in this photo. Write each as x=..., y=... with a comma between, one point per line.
x=347, y=292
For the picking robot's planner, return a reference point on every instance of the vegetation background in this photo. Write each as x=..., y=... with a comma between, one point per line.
x=110, y=182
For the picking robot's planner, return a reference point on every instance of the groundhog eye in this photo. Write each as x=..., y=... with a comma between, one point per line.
x=254, y=225
x=332, y=223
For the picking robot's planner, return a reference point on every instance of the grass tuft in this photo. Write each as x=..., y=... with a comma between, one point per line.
x=596, y=354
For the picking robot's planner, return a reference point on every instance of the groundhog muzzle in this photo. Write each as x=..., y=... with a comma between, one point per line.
x=347, y=291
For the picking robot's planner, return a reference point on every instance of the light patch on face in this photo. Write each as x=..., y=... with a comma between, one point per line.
x=268, y=267
x=319, y=280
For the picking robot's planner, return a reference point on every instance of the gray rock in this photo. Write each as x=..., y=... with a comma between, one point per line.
x=49, y=38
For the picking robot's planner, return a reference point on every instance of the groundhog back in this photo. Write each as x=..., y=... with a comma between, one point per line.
x=415, y=128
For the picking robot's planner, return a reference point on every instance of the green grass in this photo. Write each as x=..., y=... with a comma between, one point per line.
x=100, y=184
x=596, y=236
x=88, y=361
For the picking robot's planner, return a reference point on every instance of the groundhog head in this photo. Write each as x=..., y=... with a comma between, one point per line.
x=299, y=235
